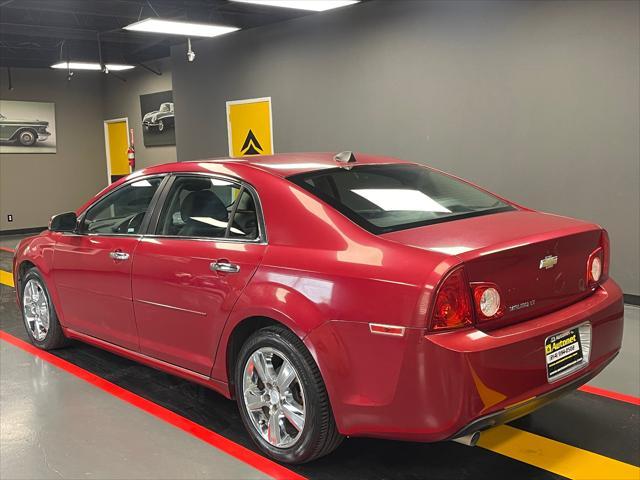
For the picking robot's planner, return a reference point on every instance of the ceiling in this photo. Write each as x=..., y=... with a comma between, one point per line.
x=38, y=33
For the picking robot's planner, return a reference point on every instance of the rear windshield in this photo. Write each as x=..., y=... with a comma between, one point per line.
x=387, y=198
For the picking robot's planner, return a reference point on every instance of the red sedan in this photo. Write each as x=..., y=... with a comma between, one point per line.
x=330, y=295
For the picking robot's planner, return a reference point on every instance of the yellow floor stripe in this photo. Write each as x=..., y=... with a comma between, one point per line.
x=6, y=278
x=553, y=456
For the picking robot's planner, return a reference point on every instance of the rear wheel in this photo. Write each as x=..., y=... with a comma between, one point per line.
x=40, y=319
x=282, y=399
x=160, y=126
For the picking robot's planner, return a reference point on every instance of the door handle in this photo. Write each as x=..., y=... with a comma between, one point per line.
x=224, y=266
x=119, y=256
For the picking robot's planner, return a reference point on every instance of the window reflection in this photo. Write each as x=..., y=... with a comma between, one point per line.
x=395, y=199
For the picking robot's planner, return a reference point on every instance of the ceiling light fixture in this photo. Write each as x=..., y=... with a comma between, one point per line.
x=90, y=66
x=312, y=5
x=157, y=25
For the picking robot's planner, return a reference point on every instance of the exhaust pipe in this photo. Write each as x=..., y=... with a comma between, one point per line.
x=468, y=440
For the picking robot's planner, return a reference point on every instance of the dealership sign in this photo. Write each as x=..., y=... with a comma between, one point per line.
x=249, y=127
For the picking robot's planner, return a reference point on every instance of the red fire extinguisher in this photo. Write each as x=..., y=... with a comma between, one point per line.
x=131, y=153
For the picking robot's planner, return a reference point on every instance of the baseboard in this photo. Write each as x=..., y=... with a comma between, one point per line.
x=632, y=299
x=21, y=231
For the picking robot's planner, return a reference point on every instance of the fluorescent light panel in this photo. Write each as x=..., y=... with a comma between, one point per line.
x=313, y=5
x=189, y=29
x=91, y=66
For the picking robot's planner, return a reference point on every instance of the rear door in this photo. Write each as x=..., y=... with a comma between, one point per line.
x=208, y=242
x=92, y=268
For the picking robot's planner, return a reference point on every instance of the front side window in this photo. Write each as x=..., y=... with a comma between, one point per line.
x=386, y=198
x=122, y=211
x=210, y=208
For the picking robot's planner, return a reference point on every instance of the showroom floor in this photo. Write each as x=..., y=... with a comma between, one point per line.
x=85, y=413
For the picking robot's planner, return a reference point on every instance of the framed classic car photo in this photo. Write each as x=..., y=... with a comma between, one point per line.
x=158, y=124
x=27, y=127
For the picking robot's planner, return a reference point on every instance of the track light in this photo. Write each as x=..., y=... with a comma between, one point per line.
x=191, y=55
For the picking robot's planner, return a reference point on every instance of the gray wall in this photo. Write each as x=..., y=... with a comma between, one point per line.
x=538, y=101
x=35, y=186
x=122, y=99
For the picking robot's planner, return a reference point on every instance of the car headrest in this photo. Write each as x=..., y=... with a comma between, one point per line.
x=203, y=203
x=194, y=184
x=246, y=202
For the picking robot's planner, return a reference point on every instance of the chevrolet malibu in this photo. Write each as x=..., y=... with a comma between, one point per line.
x=330, y=295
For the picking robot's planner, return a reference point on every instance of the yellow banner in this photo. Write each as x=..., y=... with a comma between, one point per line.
x=249, y=127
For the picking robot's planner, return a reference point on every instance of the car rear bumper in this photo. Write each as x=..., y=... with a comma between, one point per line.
x=436, y=387
x=42, y=136
x=525, y=408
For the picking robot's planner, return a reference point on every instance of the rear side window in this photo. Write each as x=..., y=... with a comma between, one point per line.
x=210, y=208
x=386, y=198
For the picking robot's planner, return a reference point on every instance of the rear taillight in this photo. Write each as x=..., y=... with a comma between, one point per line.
x=598, y=262
x=595, y=267
x=487, y=300
x=452, y=306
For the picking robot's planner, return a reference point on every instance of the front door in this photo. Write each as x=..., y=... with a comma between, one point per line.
x=92, y=268
x=187, y=277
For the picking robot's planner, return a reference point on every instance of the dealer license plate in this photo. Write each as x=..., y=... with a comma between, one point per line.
x=564, y=353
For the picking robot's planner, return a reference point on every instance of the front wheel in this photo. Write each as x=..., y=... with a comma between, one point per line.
x=27, y=138
x=161, y=126
x=282, y=399
x=40, y=319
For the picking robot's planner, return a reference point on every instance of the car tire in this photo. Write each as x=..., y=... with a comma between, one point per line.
x=27, y=138
x=160, y=126
x=38, y=313
x=319, y=434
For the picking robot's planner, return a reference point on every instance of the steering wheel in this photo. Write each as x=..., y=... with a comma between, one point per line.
x=129, y=224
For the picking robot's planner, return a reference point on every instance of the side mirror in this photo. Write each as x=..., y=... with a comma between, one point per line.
x=63, y=222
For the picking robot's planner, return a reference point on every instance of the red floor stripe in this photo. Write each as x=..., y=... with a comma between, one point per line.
x=5, y=249
x=239, y=452
x=623, y=397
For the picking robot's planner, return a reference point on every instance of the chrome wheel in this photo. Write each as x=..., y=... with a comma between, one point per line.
x=274, y=397
x=35, y=308
x=27, y=138
x=160, y=126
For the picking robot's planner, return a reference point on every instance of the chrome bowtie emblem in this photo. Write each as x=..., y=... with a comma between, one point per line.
x=548, y=262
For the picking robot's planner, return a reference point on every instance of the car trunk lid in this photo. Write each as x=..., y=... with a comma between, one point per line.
x=538, y=261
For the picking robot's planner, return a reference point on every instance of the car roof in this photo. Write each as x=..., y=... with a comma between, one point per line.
x=281, y=165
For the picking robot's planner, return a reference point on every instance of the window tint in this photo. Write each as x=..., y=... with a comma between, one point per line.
x=385, y=198
x=202, y=207
x=122, y=211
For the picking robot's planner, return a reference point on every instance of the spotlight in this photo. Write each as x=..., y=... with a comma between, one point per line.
x=191, y=55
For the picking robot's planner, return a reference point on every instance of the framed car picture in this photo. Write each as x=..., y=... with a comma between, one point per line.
x=158, y=121
x=27, y=127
